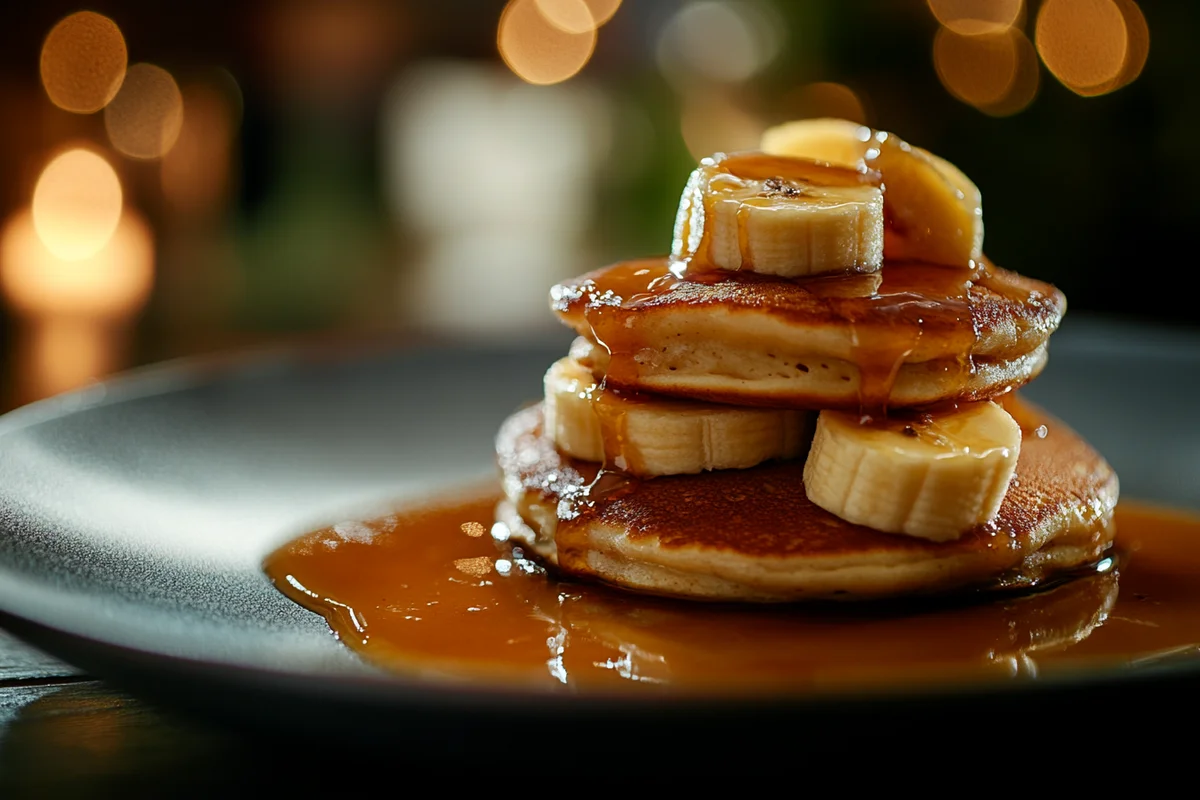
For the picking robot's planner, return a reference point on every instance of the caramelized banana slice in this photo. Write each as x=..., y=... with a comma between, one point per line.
x=935, y=212
x=779, y=216
x=934, y=476
x=646, y=435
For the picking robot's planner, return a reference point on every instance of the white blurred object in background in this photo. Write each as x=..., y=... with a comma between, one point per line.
x=492, y=182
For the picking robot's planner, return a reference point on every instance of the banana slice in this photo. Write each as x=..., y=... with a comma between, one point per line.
x=779, y=216
x=835, y=141
x=647, y=436
x=935, y=211
x=934, y=476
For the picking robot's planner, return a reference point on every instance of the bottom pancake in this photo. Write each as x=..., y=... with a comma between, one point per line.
x=753, y=535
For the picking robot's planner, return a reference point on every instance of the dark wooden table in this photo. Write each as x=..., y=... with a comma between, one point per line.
x=63, y=733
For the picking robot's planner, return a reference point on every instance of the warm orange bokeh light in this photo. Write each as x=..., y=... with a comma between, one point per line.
x=1137, y=50
x=825, y=99
x=603, y=10
x=976, y=69
x=1025, y=83
x=76, y=204
x=712, y=124
x=569, y=16
x=578, y=16
x=537, y=51
x=1087, y=44
x=144, y=119
x=196, y=173
x=58, y=354
x=974, y=17
x=995, y=72
x=111, y=283
x=83, y=62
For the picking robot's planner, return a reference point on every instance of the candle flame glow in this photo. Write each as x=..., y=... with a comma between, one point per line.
x=111, y=283
x=76, y=204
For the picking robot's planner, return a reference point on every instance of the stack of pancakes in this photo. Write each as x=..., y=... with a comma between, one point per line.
x=813, y=401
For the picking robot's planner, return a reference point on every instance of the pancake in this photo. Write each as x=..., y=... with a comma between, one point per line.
x=910, y=335
x=753, y=535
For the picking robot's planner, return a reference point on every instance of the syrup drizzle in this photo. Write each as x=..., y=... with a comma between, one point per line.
x=887, y=314
x=780, y=177
x=422, y=593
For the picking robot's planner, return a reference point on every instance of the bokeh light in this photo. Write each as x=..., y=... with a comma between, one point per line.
x=718, y=41
x=111, y=282
x=578, y=16
x=1137, y=34
x=975, y=17
x=76, y=204
x=569, y=16
x=712, y=124
x=1025, y=83
x=1092, y=46
x=603, y=10
x=144, y=119
x=59, y=354
x=976, y=69
x=83, y=62
x=825, y=99
x=538, y=51
x=196, y=173
x=995, y=72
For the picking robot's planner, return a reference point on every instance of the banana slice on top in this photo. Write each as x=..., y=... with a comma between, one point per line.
x=649, y=436
x=780, y=216
x=934, y=476
x=935, y=211
x=835, y=141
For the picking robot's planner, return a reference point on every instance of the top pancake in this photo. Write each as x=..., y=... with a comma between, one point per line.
x=912, y=334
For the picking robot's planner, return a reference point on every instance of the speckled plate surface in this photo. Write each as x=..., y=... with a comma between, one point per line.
x=134, y=516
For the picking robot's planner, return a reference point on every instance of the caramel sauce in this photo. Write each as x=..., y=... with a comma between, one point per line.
x=434, y=592
x=612, y=406
x=760, y=166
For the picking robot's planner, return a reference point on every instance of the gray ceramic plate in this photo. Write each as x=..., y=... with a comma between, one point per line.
x=134, y=516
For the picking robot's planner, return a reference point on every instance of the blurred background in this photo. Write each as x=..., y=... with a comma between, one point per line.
x=182, y=178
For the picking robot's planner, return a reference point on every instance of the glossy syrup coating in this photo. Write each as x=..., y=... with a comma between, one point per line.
x=431, y=593
x=947, y=327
